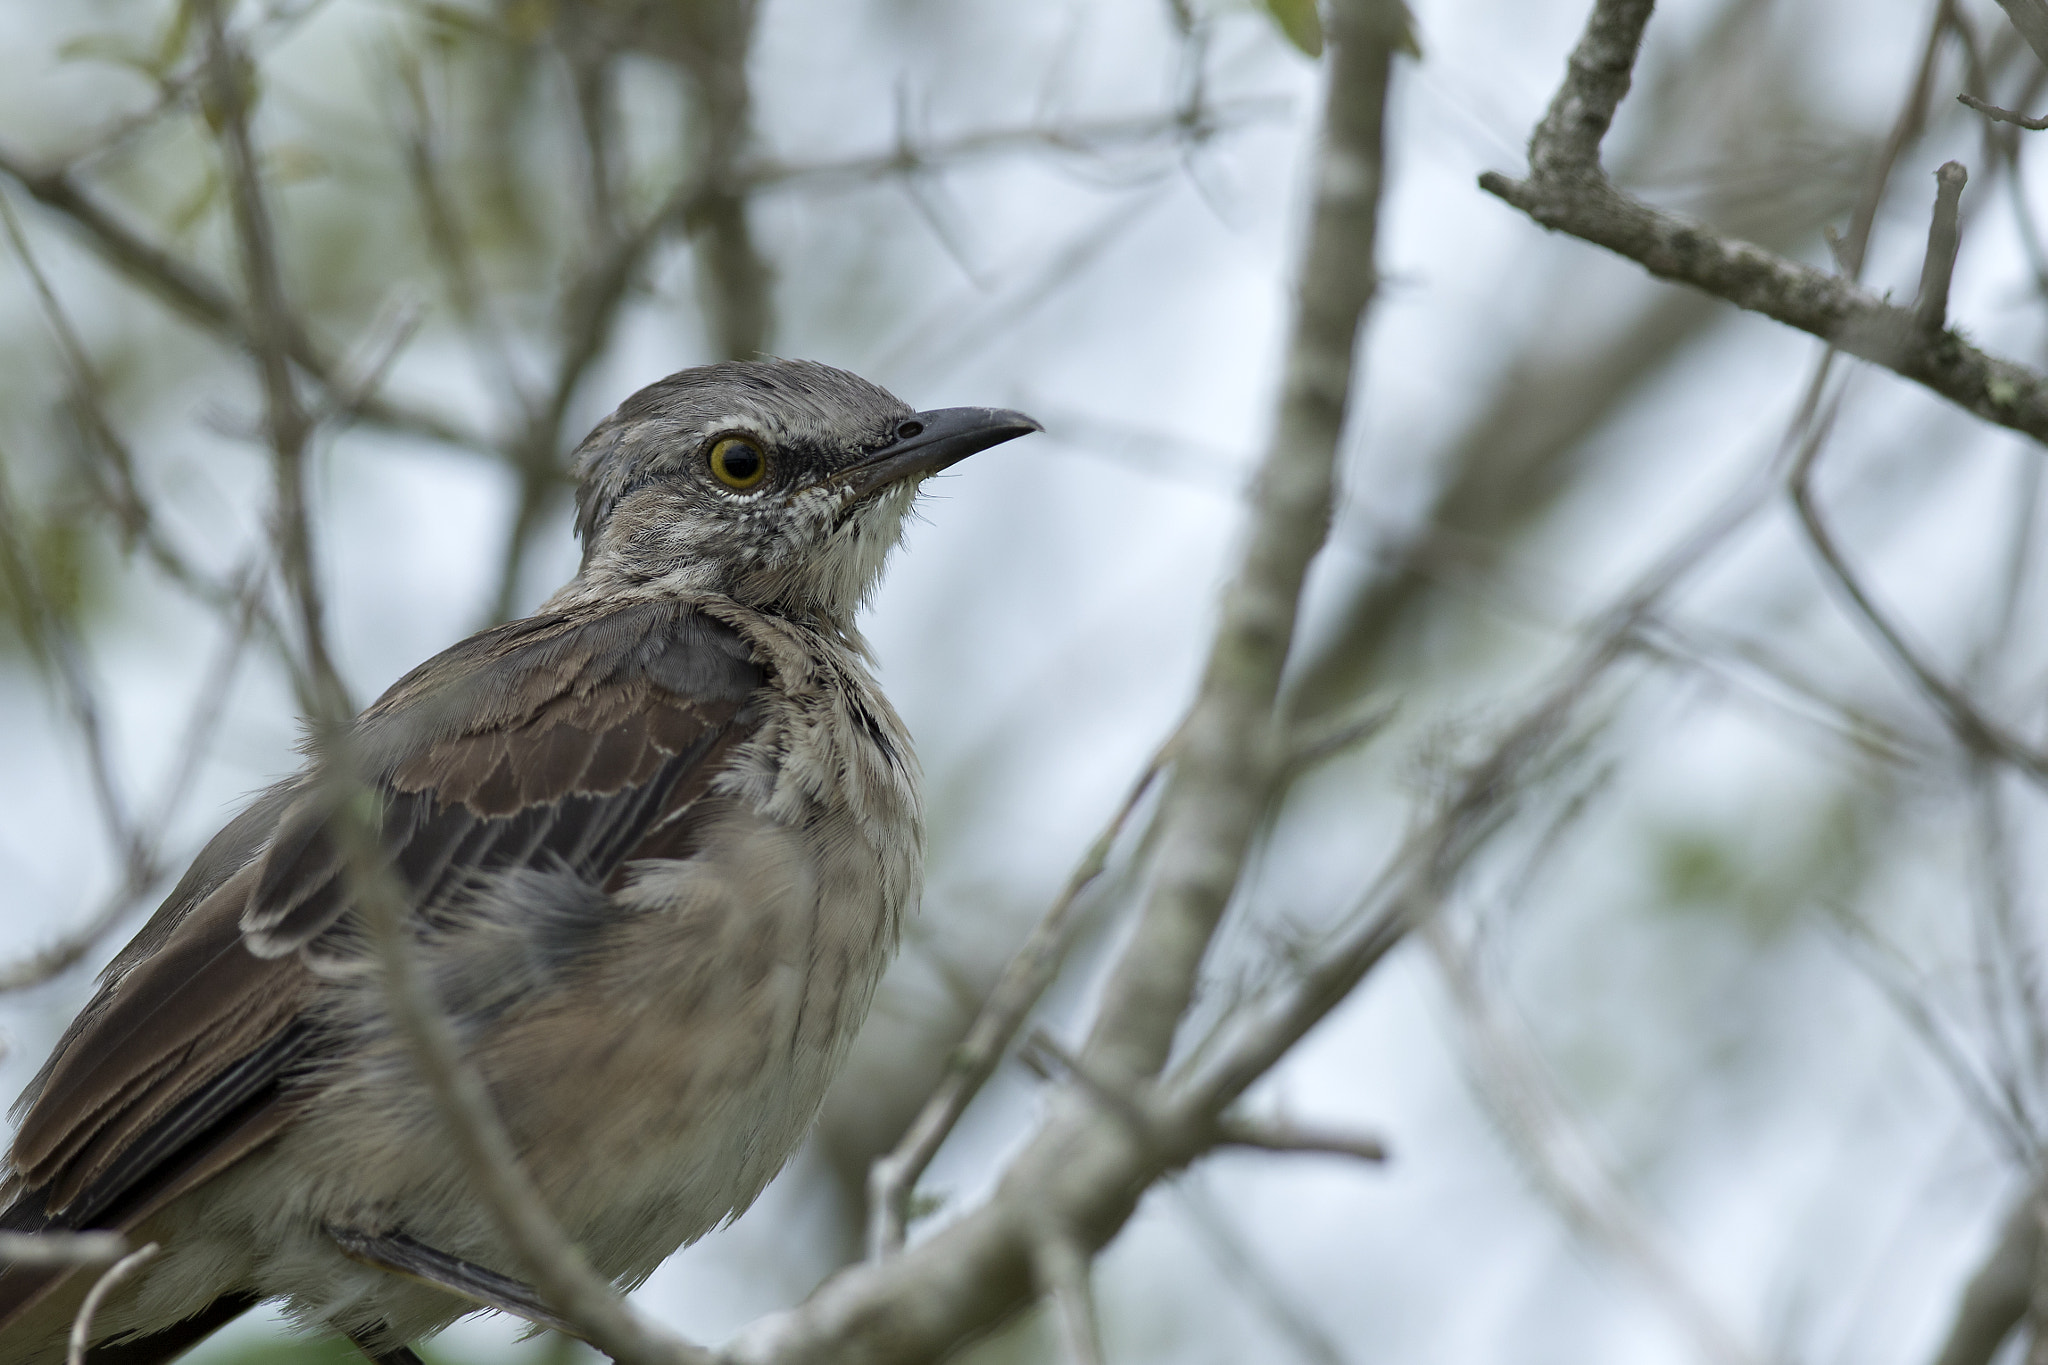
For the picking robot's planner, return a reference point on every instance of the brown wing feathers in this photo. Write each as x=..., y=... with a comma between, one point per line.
x=569, y=742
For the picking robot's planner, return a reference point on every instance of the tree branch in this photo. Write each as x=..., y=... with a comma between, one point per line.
x=61, y=1248
x=1061, y=1265
x=893, y=1177
x=559, y=1270
x=1944, y=238
x=108, y=1282
x=1235, y=1131
x=272, y=327
x=1998, y=115
x=1977, y=732
x=1231, y=748
x=1998, y=1293
x=200, y=300
x=1567, y=192
x=1084, y=1170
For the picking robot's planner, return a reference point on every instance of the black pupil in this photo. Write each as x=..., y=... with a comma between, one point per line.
x=742, y=462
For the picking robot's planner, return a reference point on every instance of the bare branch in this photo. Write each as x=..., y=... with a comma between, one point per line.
x=1850, y=318
x=1997, y=1295
x=287, y=424
x=53, y=640
x=893, y=1178
x=1993, y=112
x=449, y=244
x=1944, y=236
x=192, y=295
x=1231, y=747
x=1563, y=1162
x=81, y=1326
x=123, y=494
x=1265, y=1136
x=910, y=157
x=1850, y=251
x=1061, y=1265
x=558, y=1268
x=1976, y=731
x=1566, y=144
x=1567, y=192
x=61, y=1248
x=1888, y=969
x=146, y=866
x=1272, y=1295
x=71, y=949
x=1421, y=873
x=1316, y=742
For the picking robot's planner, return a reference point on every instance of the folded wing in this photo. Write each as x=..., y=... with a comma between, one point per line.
x=554, y=742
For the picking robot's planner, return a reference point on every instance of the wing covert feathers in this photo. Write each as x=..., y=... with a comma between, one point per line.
x=563, y=742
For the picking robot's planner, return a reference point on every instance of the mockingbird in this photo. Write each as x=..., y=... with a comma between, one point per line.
x=656, y=841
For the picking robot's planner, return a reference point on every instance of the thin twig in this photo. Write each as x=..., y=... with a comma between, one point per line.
x=1853, y=251
x=145, y=870
x=196, y=297
x=1944, y=237
x=1245, y=1272
x=53, y=960
x=1563, y=1161
x=449, y=245
x=892, y=1180
x=558, y=1268
x=2007, y=967
x=287, y=424
x=1315, y=742
x=1421, y=873
x=1976, y=731
x=1992, y=111
x=1232, y=746
x=1267, y=1136
x=53, y=639
x=57, y=1248
x=81, y=1325
x=1996, y=1296
x=123, y=495
x=1061, y=1265
x=912, y=158
x=1889, y=969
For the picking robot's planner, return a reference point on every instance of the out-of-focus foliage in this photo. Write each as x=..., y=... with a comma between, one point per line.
x=1300, y=22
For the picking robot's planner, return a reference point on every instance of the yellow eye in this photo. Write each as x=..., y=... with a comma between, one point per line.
x=738, y=463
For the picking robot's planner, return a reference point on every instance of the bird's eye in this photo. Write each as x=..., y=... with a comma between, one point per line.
x=738, y=463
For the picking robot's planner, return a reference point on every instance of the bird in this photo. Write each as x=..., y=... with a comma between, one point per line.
x=655, y=844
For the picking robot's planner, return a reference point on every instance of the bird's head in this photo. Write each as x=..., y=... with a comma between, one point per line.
x=780, y=483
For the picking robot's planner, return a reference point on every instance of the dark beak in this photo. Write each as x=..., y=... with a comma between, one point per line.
x=931, y=441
